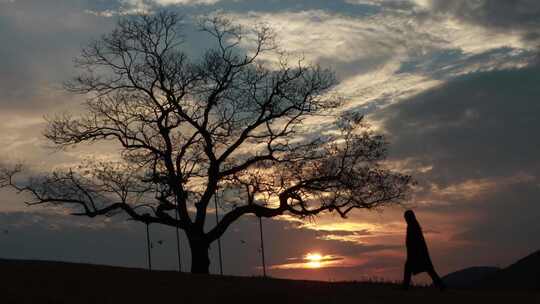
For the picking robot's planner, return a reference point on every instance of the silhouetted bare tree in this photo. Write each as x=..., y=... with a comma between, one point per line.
x=229, y=121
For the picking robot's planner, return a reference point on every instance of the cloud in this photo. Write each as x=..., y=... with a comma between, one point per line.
x=387, y=4
x=128, y=7
x=477, y=134
x=387, y=57
x=36, y=57
x=362, y=43
x=314, y=261
x=185, y=2
x=480, y=125
x=521, y=16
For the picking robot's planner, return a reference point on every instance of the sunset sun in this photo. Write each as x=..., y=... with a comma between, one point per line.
x=313, y=260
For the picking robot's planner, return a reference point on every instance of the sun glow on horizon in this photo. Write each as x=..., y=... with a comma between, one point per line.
x=313, y=260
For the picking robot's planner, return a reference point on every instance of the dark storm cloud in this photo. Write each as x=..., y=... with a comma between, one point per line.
x=39, y=39
x=497, y=13
x=500, y=15
x=479, y=136
x=477, y=126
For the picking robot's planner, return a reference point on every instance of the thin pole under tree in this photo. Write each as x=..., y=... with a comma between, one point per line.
x=178, y=251
x=148, y=245
x=219, y=239
x=262, y=247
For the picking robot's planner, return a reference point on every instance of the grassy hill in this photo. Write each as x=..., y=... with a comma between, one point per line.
x=522, y=275
x=468, y=277
x=55, y=282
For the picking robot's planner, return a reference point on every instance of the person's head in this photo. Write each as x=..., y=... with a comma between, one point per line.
x=409, y=217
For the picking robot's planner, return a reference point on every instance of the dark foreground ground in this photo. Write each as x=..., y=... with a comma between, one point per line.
x=52, y=282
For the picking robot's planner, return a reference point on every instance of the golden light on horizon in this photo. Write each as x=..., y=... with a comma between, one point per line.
x=313, y=260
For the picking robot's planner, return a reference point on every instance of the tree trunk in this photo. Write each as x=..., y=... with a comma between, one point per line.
x=200, y=262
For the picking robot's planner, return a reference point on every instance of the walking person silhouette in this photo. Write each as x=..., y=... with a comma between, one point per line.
x=418, y=259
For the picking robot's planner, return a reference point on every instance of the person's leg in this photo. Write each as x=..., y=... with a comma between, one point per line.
x=407, y=276
x=436, y=279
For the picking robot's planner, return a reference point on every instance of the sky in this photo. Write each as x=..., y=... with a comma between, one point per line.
x=454, y=86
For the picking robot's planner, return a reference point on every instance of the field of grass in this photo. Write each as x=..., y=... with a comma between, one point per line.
x=52, y=282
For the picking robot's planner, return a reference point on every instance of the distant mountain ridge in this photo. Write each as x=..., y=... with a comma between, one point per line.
x=468, y=277
x=522, y=275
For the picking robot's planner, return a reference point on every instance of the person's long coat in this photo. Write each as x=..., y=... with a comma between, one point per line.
x=418, y=259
